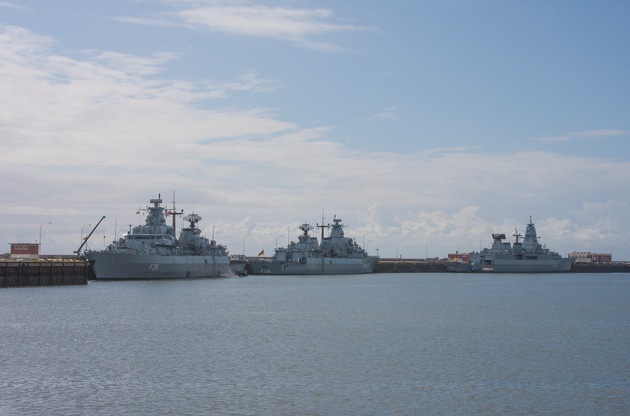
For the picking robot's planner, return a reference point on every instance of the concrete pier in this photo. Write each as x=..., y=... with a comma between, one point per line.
x=43, y=273
x=385, y=265
x=393, y=265
x=601, y=267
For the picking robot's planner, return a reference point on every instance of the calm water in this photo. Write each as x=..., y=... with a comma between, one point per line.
x=382, y=344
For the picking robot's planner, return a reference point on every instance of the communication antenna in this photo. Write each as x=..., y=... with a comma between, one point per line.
x=516, y=235
x=323, y=226
x=174, y=213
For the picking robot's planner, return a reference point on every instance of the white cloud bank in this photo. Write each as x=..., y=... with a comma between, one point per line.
x=102, y=133
x=298, y=26
x=600, y=134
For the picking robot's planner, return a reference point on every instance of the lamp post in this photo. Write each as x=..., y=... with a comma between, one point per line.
x=40, y=235
x=367, y=247
x=400, y=242
x=426, y=250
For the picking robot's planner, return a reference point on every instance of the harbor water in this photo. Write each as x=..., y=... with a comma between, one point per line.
x=378, y=344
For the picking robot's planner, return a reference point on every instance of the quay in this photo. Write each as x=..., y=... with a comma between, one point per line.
x=617, y=267
x=394, y=265
x=58, y=272
x=30, y=273
x=437, y=265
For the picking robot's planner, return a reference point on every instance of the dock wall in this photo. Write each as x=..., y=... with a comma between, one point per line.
x=70, y=272
x=408, y=266
x=419, y=266
x=600, y=268
x=43, y=273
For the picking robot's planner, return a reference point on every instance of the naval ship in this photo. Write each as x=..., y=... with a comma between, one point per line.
x=151, y=251
x=528, y=256
x=335, y=255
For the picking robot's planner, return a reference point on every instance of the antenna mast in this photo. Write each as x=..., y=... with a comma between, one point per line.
x=323, y=226
x=174, y=213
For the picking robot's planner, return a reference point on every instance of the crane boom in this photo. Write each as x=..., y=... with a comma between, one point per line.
x=89, y=235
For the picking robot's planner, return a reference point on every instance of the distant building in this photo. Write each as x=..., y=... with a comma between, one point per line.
x=588, y=257
x=461, y=257
x=24, y=250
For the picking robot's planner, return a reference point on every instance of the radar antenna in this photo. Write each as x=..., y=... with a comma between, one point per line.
x=193, y=219
x=306, y=228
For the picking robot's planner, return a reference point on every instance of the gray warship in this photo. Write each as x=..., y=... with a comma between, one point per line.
x=528, y=256
x=151, y=251
x=335, y=255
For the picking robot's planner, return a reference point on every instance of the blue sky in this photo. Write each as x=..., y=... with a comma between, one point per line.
x=426, y=125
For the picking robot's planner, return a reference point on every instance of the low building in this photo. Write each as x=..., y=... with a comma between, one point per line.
x=588, y=257
x=24, y=250
x=460, y=257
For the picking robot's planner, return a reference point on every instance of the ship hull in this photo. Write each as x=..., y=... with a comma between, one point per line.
x=139, y=266
x=531, y=266
x=458, y=267
x=518, y=266
x=314, y=266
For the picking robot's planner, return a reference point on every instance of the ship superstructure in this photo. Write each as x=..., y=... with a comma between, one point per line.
x=526, y=256
x=336, y=254
x=152, y=251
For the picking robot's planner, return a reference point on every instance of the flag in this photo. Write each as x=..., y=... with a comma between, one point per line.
x=262, y=253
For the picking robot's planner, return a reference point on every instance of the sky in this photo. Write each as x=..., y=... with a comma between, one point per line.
x=425, y=125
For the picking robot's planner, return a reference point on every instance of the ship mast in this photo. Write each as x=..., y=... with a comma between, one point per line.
x=174, y=213
x=323, y=226
x=516, y=235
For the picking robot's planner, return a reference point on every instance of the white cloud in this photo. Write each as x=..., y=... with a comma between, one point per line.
x=585, y=135
x=130, y=64
x=249, y=82
x=388, y=113
x=10, y=5
x=110, y=101
x=301, y=27
x=102, y=133
x=145, y=21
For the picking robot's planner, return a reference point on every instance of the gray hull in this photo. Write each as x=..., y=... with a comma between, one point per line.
x=531, y=266
x=314, y=266
x=109, y=265
x=458, y=267
x=514, y=266
x=238, y=267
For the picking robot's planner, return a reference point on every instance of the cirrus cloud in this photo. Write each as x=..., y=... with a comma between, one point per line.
x=300, y=26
